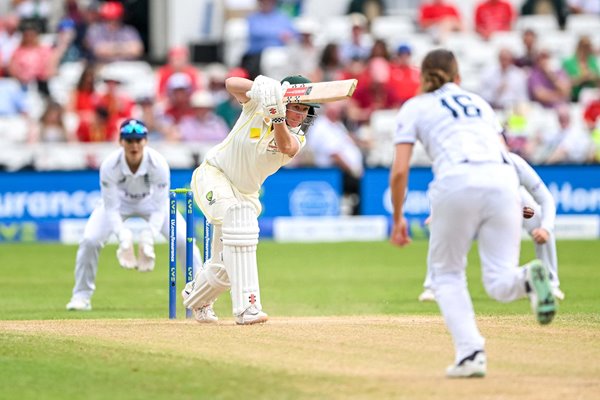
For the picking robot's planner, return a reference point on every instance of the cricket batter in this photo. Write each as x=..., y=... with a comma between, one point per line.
x=535, y=194
x=474, y=193
x=267, y=135
x=134, y=181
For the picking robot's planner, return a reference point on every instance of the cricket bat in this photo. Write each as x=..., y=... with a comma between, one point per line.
x=320, y=92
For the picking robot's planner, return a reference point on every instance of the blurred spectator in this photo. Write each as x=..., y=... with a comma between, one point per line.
x=570, y=145
x=84, y=97
x=504, y=85
x=32, y=62
x=216, y=74
x=110, y=40
x=304, y=54
x=51, y=126
x=83, y=18
x=547, y=85
x=330, y=64
x=530, y=42
x=369, y=8
x=66, y=34
x=266, y=27
x=439, y=18
x=178, y=61
x=13, y=98
x=203, y=125
x=360, y=43
x=379, y=49
x=97, y=130
x=557, y=7
x=405, y=76
x=179, y=90
x=117, y=104
x=582, y=68
x=230, y=109
x=146, y=110
x=591, y=113
x=493, y=16
x=333, y=146
x=373, y=92
x=292, y=8
x=36, y=10
x=584, y=6
x=10, y=38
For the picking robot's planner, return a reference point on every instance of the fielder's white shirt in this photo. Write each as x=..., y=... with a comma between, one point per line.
x=531, y=181
x=144, y=193
x=431, y=118
x=249, y=154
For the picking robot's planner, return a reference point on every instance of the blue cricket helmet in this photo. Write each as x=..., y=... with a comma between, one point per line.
x=133, y=129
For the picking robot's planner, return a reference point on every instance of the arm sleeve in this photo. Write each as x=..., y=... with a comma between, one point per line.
x=160, y=195
x=110, y=197
x=532, y=182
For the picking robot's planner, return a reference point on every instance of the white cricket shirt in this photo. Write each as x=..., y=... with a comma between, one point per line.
x=455, y=126
x=144, y=193
x=531, y=181
x=249, y=154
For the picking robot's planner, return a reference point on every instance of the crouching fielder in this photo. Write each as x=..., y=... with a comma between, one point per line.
x=134, y=182
x=267, y=135
x=474, y=194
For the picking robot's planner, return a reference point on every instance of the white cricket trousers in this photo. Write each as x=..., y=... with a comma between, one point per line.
x=478, y=200
x=96, y=234
x=214, y=194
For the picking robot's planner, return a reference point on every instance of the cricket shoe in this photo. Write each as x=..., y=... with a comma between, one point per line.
x=250, y=316
x=539, y=290
x=427, y=295
x=79, y=305
x=205, y=315
x=558, y=294
x=473, y=366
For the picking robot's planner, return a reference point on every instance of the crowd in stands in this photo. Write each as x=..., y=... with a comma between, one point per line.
x=69, y=83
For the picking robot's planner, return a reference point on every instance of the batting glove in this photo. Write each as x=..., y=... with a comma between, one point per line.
x=272, y=102
x=125, y=253
x=258, y=87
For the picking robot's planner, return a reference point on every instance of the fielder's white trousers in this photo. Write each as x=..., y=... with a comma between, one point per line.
x=474, y=200
x=96, y=234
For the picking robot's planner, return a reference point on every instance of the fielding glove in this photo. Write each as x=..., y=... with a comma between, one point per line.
x=125, y=253
x=146, y=255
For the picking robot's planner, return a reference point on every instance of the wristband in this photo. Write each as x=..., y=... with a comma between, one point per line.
x=278, y=120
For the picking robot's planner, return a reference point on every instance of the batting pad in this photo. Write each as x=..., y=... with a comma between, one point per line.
x=209, y=283
x=240, y=237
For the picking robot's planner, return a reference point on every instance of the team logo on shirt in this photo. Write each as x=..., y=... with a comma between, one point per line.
x=210, y=198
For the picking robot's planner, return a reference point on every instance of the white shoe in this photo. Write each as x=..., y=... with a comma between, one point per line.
x=205, y=315
x=558, y=294
x=427, y=295
x=251, y=316
x=539, y=290
x=79, y=305
x=473, y=366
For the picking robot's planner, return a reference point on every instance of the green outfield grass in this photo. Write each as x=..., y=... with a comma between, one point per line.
x=63, y=360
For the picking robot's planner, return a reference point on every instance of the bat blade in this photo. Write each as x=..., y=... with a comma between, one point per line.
x=320, y=92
